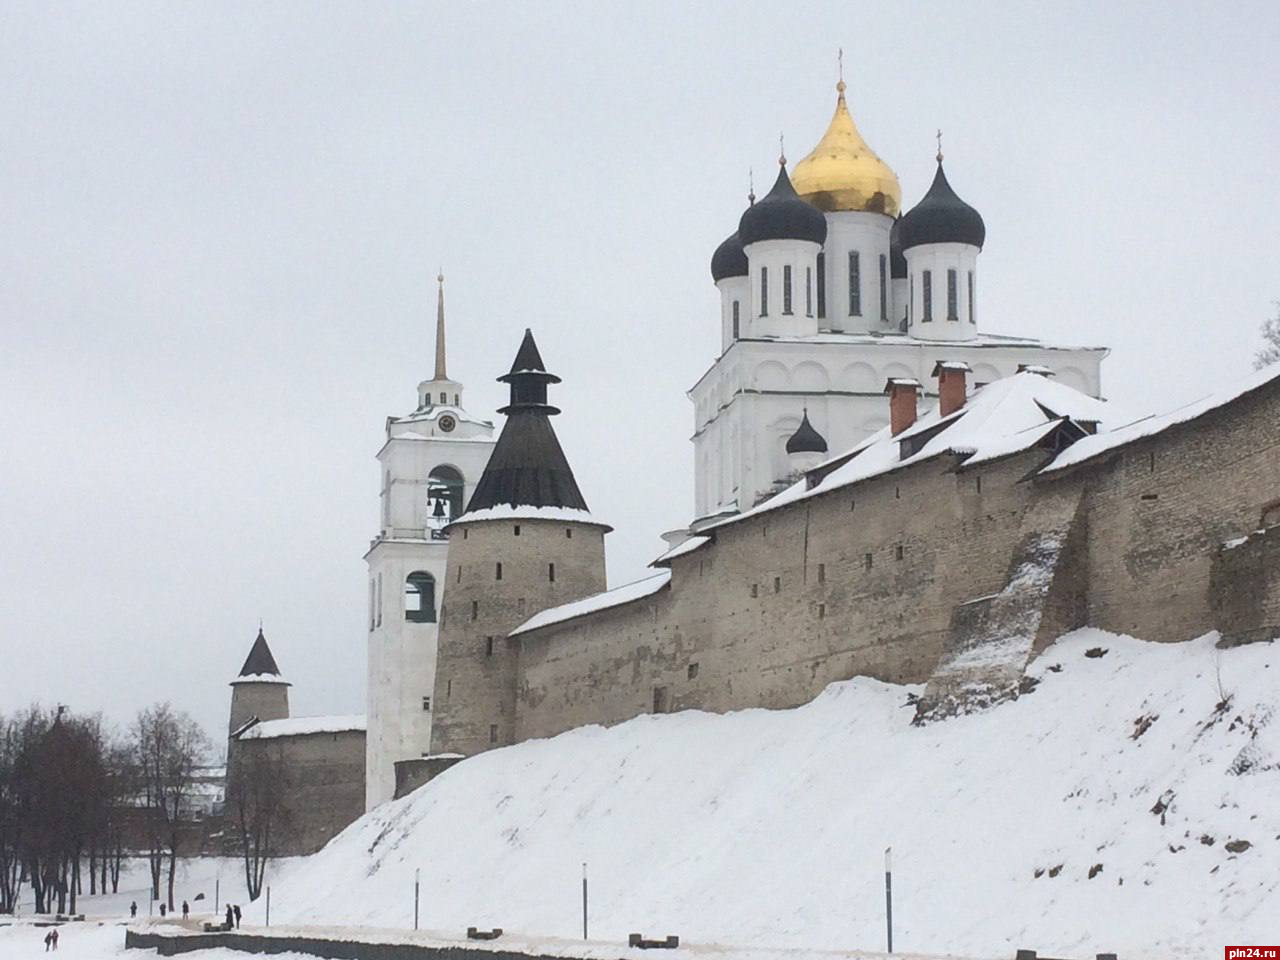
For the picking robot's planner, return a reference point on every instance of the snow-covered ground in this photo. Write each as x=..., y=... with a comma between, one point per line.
x=222, y=877
x=92, y=941
x=1105, y=811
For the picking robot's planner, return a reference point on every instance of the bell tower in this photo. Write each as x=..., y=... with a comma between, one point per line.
x=430, y=462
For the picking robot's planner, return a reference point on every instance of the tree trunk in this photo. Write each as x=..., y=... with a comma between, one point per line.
x=93, y=868
x=173, y=864
x=75, y=879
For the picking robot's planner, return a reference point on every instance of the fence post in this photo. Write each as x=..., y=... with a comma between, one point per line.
x=217, y=894
x=268, y=906
x=584, y=901
x=888, y=897
x=417, y=871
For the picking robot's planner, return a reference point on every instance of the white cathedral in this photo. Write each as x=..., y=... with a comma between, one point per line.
x=827, y=292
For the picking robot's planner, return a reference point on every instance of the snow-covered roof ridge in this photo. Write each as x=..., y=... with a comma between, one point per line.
x=523, y=511
x=261, y=678
x=680, y=549
x=1101, y=443
x=301, y=726
x=1000, y=419
x=598, y=601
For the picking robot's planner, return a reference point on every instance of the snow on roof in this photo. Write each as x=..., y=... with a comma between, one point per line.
x=680, y=549
x=261, y=678
x=600, y=601
x=301, y=726
x=507, y=511
x=1101, y=443
x=951, y=365
x=1001, y=418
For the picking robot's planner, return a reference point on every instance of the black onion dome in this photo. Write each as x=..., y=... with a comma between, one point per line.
x=897, y=262
x=782, y=215
x=806, y=439
x=729, y=260
x=942, y=217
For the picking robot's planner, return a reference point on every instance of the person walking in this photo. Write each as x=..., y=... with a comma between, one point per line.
x=54, y=933
x=162, y=909
x=231, y=922
x=133, y=910
x=237, y=916
x=48, y=941
x=186, y=910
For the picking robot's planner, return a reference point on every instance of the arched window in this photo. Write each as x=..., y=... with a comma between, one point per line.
x=444, y=498
x=420, y=597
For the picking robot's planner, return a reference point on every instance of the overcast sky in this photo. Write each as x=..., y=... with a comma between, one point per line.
x=220, y=226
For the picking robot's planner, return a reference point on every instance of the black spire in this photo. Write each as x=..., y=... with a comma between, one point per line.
x=260, y=660
x=806, y=439
x=527, y=466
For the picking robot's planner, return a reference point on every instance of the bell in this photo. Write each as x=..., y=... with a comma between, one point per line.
x=439, y=513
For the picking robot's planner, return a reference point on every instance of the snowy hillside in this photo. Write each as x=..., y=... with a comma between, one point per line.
x=769, y=828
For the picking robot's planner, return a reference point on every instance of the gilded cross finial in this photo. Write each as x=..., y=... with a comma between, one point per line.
x=840, y=71
x=939, y=146
x=782, y=152
x=751, y=186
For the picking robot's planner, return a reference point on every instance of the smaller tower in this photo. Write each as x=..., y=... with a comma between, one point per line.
x=806, y=448
x=941, y=238
x=782, y=236
x=730, y=272
x=526, y=542
x=259, y=692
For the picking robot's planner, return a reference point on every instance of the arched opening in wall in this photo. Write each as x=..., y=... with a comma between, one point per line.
x=445, y=488
x=420, y=597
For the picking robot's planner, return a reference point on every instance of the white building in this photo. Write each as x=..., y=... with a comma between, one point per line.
x=827, y=292
x=430, y=462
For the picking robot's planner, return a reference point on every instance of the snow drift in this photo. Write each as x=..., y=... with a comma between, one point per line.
x=1130, y=803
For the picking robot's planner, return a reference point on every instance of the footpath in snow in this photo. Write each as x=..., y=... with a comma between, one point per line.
x=1129, y=803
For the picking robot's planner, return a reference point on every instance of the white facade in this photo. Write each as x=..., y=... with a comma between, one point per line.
x=429, y=465
x=752, y=398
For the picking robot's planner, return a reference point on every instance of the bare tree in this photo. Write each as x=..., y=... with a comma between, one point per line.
x=257, y=779
x=170, y=746
x=1270, y=352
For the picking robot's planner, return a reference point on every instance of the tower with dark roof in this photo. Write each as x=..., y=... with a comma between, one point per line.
x=258, y=692
x=525, y=542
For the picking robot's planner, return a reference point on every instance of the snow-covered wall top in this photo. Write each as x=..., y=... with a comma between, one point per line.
x=299, y=726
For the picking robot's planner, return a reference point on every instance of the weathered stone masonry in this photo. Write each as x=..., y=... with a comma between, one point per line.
x=867, y=579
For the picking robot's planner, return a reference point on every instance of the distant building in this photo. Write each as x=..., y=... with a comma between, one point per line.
x=320, y=759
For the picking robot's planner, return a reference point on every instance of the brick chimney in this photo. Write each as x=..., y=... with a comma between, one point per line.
x=952, y=376
x=903, y=393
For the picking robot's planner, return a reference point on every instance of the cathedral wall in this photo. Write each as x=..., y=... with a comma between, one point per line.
x=783, y=603
x=1161, y=508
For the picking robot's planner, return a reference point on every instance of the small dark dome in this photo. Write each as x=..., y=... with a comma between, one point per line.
x=782, y=215
x=942, y=217
x=897, y=262
x=806, y=439
x=729, y=260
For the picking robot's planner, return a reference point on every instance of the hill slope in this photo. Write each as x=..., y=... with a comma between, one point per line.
x=768, y=827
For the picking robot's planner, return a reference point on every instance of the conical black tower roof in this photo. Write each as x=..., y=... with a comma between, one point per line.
x=260, y=661
x=527, y=467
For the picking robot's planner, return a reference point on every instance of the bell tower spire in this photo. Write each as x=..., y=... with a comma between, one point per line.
x=441, y=374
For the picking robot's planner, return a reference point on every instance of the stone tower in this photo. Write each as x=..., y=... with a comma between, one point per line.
x=259, y=692
x=430, y=463
x=526, y=542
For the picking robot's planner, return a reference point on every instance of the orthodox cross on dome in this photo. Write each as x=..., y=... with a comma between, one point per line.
x=782, y=152
x=441, y=374
x=840, y=70
x=939, y=135
x=751, y=186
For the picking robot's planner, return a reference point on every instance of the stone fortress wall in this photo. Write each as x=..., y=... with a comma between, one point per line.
x=898, y=576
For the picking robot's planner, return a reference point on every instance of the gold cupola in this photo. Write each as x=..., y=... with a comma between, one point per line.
x=843, y=173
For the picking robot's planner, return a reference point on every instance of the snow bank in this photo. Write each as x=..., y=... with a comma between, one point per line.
x=768, y=828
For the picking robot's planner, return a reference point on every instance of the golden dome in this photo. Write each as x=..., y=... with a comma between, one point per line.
x=843, y=173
